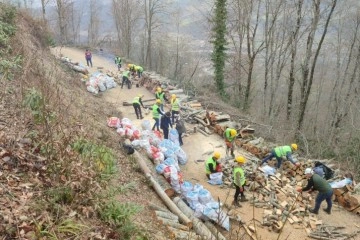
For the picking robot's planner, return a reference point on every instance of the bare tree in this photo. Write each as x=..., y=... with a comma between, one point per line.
x=94, y=23
x=236, y=28
x=75, y=17
x=43, y=9
x=153, y=9
x=62, y=7
x=253, y=47
x=345, y=89
x=276, y=50
x=309, y=64
x=126, y=14
x=293, y=41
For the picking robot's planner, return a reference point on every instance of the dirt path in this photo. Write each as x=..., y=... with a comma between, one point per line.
x=196, y=145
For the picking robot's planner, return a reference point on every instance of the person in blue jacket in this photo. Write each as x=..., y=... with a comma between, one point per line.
x=165, y=124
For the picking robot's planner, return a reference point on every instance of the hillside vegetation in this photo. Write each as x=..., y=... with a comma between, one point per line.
x=59, y=163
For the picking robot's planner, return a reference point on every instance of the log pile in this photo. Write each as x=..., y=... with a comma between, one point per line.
x=326, y=232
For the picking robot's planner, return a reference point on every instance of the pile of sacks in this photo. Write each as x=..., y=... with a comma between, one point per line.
x=165, y=153
x=99, y=82
x=205, y=207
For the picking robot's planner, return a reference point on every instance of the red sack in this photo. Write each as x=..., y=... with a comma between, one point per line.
x=218, y=168
x=113, y=122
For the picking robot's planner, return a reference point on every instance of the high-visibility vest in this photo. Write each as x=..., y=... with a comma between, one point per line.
x=175, y=104
x=160, y=96
x=126, y=74
x=282, y=151
x=139, y=69
x=155, y=112
x=228, y=135
x=136, y=100
x=242, y=175
x=207, y=168
x=117, y=60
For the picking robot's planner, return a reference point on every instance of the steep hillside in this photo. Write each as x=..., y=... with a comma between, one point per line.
x=62, y=173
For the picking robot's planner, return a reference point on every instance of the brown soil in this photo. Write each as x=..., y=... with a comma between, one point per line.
x=196, y=145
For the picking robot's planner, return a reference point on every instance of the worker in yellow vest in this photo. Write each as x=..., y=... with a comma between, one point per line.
x=239, y=180
x=160, y=94
x=137, y=102
x=175, y=107
x=156, y=112
x=280, y=152
x=230, y=136
x=212, y=165
x=126, y=79
x=139, y=70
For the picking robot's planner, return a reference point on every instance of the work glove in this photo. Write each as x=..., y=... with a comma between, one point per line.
x=299, y=189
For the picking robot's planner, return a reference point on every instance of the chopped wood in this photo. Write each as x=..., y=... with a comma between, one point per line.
x=284, y=204
x=224, y=117
x=267, y=212
x=277, y=226
x=248, y=232
x=200, y=121
x=252, y=228
x=295, y=218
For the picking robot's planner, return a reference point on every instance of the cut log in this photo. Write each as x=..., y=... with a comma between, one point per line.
x=199, y=227
x=214, y=230
x=173, y=224
x=173, y=208
x=247, y=230
x=195, y=105
x=180, y=234
x=224, y=117
x=129, y=103
x=176, y=91
x=153, y=206
x=167, y=215
x=277, y=226
x=200, y=121
x=202, y=132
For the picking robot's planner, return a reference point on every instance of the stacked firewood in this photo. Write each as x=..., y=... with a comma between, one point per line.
x=324, y=231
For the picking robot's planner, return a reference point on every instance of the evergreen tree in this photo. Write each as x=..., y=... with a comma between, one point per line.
x=219, y=44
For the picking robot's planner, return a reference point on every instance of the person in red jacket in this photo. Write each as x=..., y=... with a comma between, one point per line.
x=88, y=57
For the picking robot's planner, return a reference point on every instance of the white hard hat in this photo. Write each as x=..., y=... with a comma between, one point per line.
x=309, y=171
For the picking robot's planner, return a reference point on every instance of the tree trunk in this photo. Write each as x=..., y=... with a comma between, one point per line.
x=308, y=74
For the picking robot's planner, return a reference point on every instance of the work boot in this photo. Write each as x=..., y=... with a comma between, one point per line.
x=141, y=117
x=328, y=211
x=313, y=211
x=235, y=204
x=243, y=199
